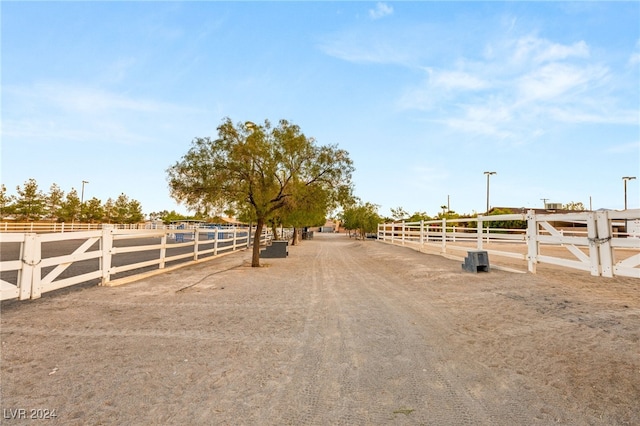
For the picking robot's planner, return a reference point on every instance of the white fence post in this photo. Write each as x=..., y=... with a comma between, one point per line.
x=215, y=241
x=532, y=241
x=163, y=250
x=196, y=241
x=235, y=238
x=30, y=257
x=105, y=260
x=479, y=232
x=404, y=229
x=602, y=243
x=422, y=233
x=592, y=235
x=444, y=235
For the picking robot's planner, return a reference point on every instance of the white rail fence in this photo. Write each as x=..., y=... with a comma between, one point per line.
x=587, y=241
x=32, y=264
x=48, y=227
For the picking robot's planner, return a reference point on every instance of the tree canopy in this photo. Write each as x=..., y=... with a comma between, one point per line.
x=259, y=171
x=361, y=217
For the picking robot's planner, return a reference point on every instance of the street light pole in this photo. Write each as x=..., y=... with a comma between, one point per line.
x=82, y=198
x=626, y=179
x=488, y=175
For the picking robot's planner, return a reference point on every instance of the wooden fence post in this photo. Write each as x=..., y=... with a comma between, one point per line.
x=444, y=235
x=479, y=231
x=215, y=241
x=422, y=233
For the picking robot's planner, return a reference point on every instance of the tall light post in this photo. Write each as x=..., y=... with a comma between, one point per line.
x=82, y=198
x=626, y=179
x=488, y=175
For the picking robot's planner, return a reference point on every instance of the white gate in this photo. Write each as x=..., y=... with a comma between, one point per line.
x=596, y=242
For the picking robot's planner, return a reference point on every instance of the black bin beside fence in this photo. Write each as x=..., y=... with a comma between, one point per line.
x=476, y=260
x=277, y=249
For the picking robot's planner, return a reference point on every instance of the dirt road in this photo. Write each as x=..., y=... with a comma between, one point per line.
x=341, y=332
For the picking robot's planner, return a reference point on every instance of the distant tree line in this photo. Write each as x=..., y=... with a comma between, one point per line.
x=29, y=203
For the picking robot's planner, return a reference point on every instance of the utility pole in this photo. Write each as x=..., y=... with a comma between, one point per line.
x=488, y=175
x=82, y=199
x=626, y=179
x=544, y=200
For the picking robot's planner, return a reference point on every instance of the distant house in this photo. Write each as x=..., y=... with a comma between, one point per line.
x=328, y=227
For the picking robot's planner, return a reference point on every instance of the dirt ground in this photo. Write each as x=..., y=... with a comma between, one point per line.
x=340, y=332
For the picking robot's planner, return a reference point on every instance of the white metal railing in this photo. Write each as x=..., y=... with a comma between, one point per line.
x=33, y=263
x=597, y=242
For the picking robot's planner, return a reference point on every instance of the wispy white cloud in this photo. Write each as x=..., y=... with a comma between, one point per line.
x=573, y=114
x=625, y=147
x=369, y=47
x=515, y=86
x=457, y=80
x=381, y=10
x=534, y=50
x=556, y=80
x=53, y=111
x=117, y=71
x=634, y=58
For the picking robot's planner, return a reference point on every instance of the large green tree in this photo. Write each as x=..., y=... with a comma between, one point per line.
x=70, y=208
x=126, y=210
x=55, y=198
x=30, y=201
x=361, y=217
x=6, y=201
x=307, y=207
x=255, y=170
x=93, y=210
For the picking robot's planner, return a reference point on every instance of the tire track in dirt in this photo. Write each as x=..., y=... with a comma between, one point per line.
x=409, y=355
x=364, y=363
x=425, y=325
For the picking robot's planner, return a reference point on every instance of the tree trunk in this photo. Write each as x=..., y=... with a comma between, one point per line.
x=255, y=259
x=294, y=241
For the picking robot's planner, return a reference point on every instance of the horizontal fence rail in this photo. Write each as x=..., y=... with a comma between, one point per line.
x=53, y=227
x=32, y=263
x=605, y=243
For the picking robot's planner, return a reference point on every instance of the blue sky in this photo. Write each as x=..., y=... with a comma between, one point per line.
x=425, y=96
